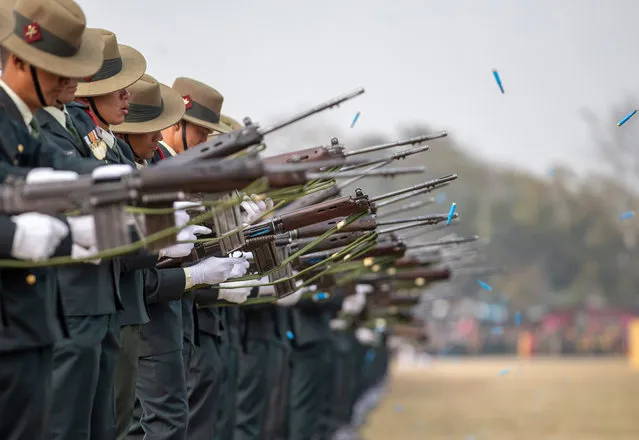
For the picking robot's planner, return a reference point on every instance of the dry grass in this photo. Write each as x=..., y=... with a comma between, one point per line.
x=546, y=399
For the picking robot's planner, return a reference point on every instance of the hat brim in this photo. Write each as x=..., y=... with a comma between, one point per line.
x=85, y=63
x=172, y=114
x=133, y=67
x=220, y=126
x=7, y=23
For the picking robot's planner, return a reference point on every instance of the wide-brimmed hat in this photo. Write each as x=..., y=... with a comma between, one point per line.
x=203, y=104
x=152, y=107
x=122, y=66
x=52, y=35
x=232, y=123
x=7, y=23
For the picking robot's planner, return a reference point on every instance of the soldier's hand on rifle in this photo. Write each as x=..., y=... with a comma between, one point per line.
x=294, y=298
x=108, y=172
x=36, y=236
x=238, y=294
x=354, y=304
x=83, y=231
x=46, y=175
x=213, y=270
x=80, y=253
x=188, y=234
x=239, y=269
x=254, y=207
x=366, y=336
x=181, y=216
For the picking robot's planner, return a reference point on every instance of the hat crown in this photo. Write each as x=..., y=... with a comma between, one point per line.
x=62, y=18
x=200, y=93
x=146, y=91
x=111, y=50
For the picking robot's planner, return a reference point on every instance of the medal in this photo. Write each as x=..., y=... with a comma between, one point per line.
x=96, y=144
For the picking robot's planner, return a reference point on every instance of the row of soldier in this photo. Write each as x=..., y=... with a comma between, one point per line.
x=127, y=348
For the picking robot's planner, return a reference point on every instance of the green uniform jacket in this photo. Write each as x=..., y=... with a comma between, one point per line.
x=30, y=313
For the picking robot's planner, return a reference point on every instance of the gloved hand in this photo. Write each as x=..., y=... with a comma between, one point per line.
x=37, y=236
x=366, y=336
x=240, y=269
x=236, y=295
x=180, y=250
x=255, y=207
x=45, y=175
x=294, y=298
x=213, y=270
x=364, y=289
x=354, y=304
x=108, y=172
x=78, y=252
x=181, y=216
x=83, y=231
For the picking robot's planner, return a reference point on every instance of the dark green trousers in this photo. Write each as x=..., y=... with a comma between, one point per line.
x=343, y=382
x=204, y=383
x=83, y=379
x=230, y=352
x=125, y=376
x=276, y=423
x=25, y=400
x=309, y=393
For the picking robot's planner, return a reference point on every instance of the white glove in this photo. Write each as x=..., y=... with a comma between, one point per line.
x=363, y=288
x=239, y=269
x=46, y=175
x=255, y=207
x=366, y=336
x=236, y=295
x=354, y=304
x=183, y=249
x=181, y=216
x=37, y=236
x=78, y=252
x=213, y=270
x=294, y=298
x=108, y=172
x=83, y=231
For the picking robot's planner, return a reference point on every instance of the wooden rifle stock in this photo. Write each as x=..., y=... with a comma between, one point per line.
x=332, y=242
x=365, y=223
x=341, y=207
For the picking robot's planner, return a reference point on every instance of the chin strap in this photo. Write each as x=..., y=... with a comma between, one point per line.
x=94, y=109
x=36, y=85
x=184, y=143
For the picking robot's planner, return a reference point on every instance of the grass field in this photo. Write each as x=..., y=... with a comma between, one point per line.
x=506, y=399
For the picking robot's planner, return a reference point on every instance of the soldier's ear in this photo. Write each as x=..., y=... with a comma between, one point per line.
x=18, y=62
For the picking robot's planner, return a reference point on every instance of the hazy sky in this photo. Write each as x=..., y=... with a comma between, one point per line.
x=420, y=60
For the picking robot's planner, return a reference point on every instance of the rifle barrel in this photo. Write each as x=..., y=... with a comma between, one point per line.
x=390, y=172
x=428, y=184
x=319, y=108
x=436, y=218
x=395, y=156
x=445, y=242
x=410, y=141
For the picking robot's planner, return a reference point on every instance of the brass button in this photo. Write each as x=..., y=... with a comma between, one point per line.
x=20, y=148
x=31, y=279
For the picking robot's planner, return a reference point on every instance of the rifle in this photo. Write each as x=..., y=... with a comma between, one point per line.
x=251, y=134
x=407, y=207
x=151, y=187
x=365, y=223
x=337, y=150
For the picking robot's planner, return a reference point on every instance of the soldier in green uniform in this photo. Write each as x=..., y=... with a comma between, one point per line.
x=160, y=385
x=84, y=366
x=37, y=65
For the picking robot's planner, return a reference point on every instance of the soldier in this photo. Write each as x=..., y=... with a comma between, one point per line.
x=204, y=363
x=37, y=66
x=84, y=365
x=160, y=385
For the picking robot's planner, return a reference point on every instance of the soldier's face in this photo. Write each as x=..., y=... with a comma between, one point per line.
x=114, y=106
x=195, y=134
x=145, y=144
x=68, y=92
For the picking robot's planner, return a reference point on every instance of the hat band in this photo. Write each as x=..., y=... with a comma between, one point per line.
x=198, y=111
x=109, y=69
x=143, y=113
x=40, y=38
